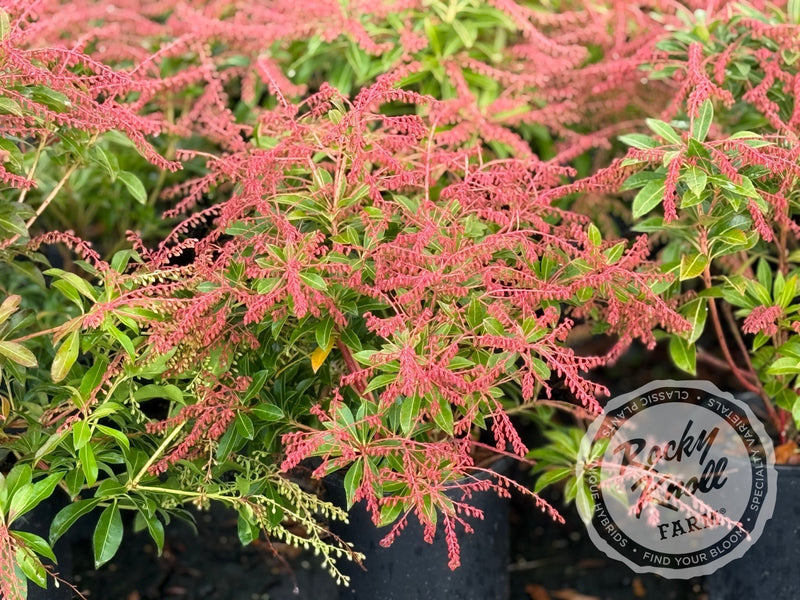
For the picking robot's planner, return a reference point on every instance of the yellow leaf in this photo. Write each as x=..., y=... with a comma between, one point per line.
x=319, y=355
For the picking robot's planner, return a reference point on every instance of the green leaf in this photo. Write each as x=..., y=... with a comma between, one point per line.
x=352, y=480
x=692, y=265
x=5, y=25
x=18, y=354
x=244, y=426
x=88, y=464
x=444, y=416
x=684, y=354
x=67, y=516
x=256, y=385
x=31, y=566
x=156, y=530
x=614, y=253
x=134, y=185
x=784, y=366
x=101, y=158
x=35, y=543
x=267, y=412
x=695, y=311
x=94, y=376
x=9, y=106
x=701, y=124
x=550, y=477
x=409, y=412
x=13, y=223
x=665, y=130
x=120, y=437
x=323, y=332
x=584, y=501
x=793, y=11
x=594, y=235
x=638, y=140
x=696, y=179
x=648, y=198
x=65, y=357
x=51, y=99
x=152, y=390
x=123, y=339
x=37, y=492
x=107, y=535
x=247, y=530
x=81, y=434
x=313, y=280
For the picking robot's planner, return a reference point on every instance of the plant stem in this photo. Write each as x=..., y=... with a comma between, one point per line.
x=32, y=170
x=133, y=483
x=53, y=193
x=737, y=372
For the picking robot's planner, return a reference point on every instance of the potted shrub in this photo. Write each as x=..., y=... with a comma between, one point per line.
x=715, y=180
x=372, y=289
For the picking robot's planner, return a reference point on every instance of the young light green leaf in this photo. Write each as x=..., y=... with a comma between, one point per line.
x=5, y=24
x=594, y=235
x=65, y=357
x=692, y=265
x=313, y=280
x=639, y=140
x=18, y=354
x=9, y=106
x=107, y=535
x=701, y=124
x=696, y=179
x=793, y=11
x=9, y=306
x=665, y=130
x=81, y=434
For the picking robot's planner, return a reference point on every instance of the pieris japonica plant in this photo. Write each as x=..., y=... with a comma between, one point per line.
x=716, y=179
x=378, y=282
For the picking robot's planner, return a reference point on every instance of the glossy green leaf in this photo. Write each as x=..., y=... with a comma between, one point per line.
x=68, y=515
x=107, y=535
x=683, y=354
x=648, y=198
x=81, y=434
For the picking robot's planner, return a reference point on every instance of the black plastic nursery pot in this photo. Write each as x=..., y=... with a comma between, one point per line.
x=769, y=569
x=412, y=569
